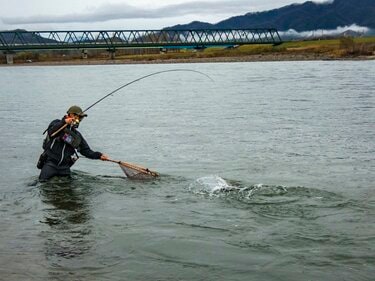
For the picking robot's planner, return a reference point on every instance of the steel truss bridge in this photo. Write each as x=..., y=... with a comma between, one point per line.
x=111, y=40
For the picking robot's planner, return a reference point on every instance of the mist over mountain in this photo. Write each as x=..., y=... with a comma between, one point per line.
x=300, y=17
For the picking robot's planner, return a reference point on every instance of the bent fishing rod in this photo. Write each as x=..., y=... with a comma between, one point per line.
x=144, y=77
x=132, y=82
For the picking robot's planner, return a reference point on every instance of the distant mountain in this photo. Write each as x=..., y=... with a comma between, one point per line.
x=10, y=37
x=301, y=17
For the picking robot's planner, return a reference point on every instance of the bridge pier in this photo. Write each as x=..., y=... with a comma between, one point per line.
x=9, y=57
x=84, y=54
x=112, y=53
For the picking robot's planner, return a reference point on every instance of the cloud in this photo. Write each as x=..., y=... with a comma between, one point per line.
x=323, y=1
x=123, y=11
x=324, y=32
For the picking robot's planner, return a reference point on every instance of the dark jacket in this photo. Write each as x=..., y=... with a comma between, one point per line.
x=59, y=151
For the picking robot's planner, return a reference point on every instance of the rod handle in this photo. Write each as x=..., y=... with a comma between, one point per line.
x=59, y=130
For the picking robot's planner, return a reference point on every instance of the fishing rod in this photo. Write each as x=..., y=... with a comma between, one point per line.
x=132, y=82
x=144, y=77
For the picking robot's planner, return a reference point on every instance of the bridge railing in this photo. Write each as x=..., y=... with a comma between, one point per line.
x=29, y=40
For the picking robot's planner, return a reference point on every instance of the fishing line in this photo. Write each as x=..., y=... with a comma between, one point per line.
x=144, y=77
x=131, y=82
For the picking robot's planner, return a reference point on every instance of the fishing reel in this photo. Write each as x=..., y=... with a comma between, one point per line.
x=76, y=121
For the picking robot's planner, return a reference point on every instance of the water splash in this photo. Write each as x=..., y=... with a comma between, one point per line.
x=273, y=201
x=210, y=185
x=215, y=185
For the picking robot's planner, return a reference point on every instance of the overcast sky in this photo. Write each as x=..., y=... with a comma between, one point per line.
x=123, y=14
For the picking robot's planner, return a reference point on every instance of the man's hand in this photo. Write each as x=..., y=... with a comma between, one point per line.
x=70, y=120
x=104, y=157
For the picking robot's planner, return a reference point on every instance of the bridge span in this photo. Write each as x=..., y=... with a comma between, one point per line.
x=21, y=40
x=107, y=39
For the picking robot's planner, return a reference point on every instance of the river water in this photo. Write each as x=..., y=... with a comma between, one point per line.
x=267, y=173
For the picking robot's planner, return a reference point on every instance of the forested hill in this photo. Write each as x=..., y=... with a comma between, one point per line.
x=301, y=17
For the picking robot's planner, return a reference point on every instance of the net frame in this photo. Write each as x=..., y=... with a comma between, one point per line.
x=133, y=171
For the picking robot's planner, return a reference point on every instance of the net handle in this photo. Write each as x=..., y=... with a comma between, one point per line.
x=135, y=167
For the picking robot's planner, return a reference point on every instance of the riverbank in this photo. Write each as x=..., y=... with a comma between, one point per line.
x=333, y=49
x=249, y=58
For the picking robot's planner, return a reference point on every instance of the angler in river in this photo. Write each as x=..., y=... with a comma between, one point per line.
x=63, y=141
x=61, y=144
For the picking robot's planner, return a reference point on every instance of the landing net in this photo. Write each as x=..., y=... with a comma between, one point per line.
x=137, y=172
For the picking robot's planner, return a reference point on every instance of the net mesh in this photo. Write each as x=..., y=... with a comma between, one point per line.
x=136, y=172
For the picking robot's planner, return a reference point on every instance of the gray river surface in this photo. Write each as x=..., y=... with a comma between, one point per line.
x=267, y=173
